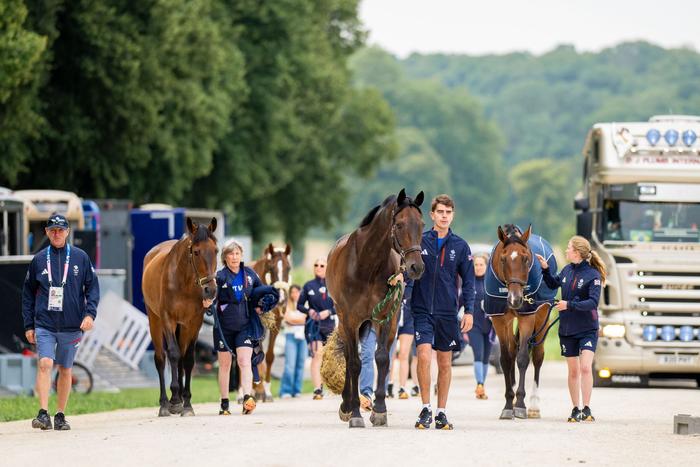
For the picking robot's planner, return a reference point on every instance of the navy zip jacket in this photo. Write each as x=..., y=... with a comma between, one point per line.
x=81, y=294
x=315, y=294
x=580, y=287
x=235, y=315
x=436, y=292
x=481, y=322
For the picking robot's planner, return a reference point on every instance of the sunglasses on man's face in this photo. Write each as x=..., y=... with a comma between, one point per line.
x=319, y=265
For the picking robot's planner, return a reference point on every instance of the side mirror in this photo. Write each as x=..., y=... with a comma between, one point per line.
x=584, y=224
x=581, y=204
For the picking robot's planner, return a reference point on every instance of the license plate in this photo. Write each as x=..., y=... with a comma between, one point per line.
x=677, y=359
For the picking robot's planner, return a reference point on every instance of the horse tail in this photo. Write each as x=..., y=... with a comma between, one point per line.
x=333, y=362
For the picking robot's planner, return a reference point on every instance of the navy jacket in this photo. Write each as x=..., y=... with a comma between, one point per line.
x=236, y=315
x=482, y=323
x=436, y=292
x=314, y=296
x=580, y=287
x=81, y=293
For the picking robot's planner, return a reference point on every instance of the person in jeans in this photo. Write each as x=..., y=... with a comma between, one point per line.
x=294, y=346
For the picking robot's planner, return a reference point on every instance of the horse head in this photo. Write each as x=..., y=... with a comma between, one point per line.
x=277, y=269
x=202, y=251
x=512, y=263
x=407, y=232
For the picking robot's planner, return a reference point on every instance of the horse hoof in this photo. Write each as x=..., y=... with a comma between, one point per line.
x=357, y=422
x=163, y=412
x=268, y=398
x=533, y=413
x=520, y=412
x=344, y=416
x=378, y=419
x=506, y=414
x=176, y=408
x=187, y=412
x=260, y=396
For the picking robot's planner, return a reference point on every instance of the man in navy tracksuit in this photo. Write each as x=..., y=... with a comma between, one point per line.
x=435, y=302
x=59, y=302
x=315, y=302
x=580, y=283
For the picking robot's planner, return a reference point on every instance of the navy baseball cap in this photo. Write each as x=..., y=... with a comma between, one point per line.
x=57, y=221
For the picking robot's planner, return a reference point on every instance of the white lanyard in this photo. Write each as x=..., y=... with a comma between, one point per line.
x=65, y=267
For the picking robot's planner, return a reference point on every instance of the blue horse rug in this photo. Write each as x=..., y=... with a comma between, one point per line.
x=495, y=300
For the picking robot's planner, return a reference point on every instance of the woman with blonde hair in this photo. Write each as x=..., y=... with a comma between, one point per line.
x=580, y=282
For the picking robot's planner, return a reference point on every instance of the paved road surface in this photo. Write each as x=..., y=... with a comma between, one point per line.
x=634, y=427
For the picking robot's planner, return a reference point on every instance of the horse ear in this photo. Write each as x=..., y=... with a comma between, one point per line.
x=269, y=250
x=526, y=235
x=288, y=250
x=191, y=226
x=419, y=199
x=501, y=235
x=212, y=225
x=402, y=197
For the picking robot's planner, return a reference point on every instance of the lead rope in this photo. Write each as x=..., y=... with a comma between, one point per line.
x=394, y=293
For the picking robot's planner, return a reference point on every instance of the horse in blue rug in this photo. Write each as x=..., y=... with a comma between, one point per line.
x=515, y=289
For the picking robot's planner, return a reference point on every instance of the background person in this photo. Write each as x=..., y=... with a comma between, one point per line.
x=295, y=346
x=479, y=335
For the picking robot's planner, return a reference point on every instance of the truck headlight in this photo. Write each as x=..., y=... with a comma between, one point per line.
x=614, y=330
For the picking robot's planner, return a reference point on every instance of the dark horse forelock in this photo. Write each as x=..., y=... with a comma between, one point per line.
x=513, y=234
x=202, y=234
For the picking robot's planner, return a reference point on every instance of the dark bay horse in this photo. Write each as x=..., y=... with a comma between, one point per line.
x=512, y=264
x=177, y=276
x=274, y=268
x=359, y=265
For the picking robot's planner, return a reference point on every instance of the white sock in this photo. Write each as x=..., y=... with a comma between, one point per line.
x=441, y=410
x=427, y=406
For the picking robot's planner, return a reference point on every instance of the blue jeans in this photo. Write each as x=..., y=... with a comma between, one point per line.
x=294, y=358
x=368, y=346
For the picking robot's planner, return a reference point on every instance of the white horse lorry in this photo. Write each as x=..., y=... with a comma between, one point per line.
x=640, y=208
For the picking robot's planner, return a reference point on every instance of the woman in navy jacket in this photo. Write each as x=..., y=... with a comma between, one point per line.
x=480, y=332
x=580, y=283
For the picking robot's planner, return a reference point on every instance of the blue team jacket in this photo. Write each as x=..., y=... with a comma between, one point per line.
x=436, y=292
x=81, y=294
x=314, y=296
x=580, y=287
x=481, y=321
x=236, y=315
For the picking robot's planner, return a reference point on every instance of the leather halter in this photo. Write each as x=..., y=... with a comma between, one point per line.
x=395, y=241
x=520, y=282
x=200, y=281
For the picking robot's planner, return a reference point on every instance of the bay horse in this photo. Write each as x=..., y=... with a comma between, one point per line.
x=523, y=295
x=359, y=265
x=177, y=276
x=274, y=268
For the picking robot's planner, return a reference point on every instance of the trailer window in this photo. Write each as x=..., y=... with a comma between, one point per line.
x=651, y=222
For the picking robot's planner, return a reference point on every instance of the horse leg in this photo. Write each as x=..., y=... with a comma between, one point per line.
x=504, y=330
x=269, y=359
x=533, y=410
x=188, y=364
x=526, y=326
x=159, y=359
x=381, y=356
x=352, y=359
x=174, y=356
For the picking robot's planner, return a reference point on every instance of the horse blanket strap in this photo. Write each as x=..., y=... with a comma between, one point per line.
x=536, y=291
x=394, y=293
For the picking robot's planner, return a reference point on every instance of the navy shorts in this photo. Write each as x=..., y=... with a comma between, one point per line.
x=571, y=346
x=406, y=321
x=58, y=346
x=234, y=339
x=442, y=332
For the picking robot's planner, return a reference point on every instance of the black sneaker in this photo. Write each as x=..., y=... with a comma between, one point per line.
x=403, y=394
x=575, y=415
x=390, y=391
x=425, y=418
x=42, y=420
x=586, y=415
x=415, y=390
x=225, y=408
x=441, y=422
x=59, y=422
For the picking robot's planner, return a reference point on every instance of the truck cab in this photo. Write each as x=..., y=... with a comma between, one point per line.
x=640, y=209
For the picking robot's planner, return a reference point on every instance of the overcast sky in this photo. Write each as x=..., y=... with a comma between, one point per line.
x=478, y=27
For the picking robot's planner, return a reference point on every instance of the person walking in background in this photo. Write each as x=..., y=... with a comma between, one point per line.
x=435, y=302
x=318, y=305
x=580, y=281
x=59, y=302
x=479, y=335
x=405, y=338
x=295, y=346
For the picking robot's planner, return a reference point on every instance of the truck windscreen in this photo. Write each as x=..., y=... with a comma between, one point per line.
x=651, y=222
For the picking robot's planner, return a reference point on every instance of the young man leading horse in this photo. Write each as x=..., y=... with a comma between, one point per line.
x=435, y=303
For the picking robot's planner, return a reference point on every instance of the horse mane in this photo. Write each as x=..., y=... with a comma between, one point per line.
x=367, y=220
x=408, y=201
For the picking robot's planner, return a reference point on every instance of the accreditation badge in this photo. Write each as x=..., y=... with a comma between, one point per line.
x=56, y=298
